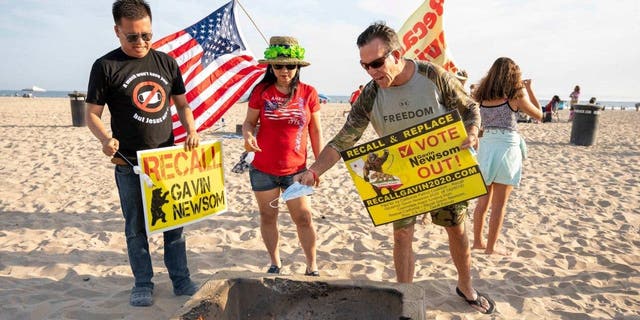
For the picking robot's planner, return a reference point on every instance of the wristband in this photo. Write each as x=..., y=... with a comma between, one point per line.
x=315, y=176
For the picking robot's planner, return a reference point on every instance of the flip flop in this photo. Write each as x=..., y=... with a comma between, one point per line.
x=477, y=302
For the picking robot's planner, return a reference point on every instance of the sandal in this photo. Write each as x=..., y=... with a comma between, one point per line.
x=273, y=269
x=478, y=302
x=312, y=273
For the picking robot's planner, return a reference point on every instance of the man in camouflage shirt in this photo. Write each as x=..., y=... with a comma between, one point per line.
x=404, y=93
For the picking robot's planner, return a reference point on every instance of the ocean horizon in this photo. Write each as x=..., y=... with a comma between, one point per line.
x=608, y=104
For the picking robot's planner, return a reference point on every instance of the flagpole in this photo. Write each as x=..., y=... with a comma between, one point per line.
x=254, y=23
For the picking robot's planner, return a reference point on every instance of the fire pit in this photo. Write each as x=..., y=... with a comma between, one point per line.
x=257, y=297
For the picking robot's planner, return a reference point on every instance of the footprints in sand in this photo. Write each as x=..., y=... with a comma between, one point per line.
x=614, y=193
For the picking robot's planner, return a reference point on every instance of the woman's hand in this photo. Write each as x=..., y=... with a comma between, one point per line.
x=250, y=143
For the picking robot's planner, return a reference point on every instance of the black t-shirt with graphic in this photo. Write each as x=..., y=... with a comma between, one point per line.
x=138, y=93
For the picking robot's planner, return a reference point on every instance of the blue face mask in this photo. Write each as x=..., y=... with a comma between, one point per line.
x=294, y=191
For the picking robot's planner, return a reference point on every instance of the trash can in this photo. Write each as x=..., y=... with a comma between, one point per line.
x=585, y=124
x=78, y=108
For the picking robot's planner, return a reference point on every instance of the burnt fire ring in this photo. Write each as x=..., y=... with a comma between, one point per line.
x=252, y=296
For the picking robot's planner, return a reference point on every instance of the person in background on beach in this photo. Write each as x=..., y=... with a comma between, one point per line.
x=592, y=100
x=399, y=85
x=288, y=113
x=574, y=96
x=355, y=95
x=551, y=108
x=353, y=98
x=501, y=93
x=114, y=80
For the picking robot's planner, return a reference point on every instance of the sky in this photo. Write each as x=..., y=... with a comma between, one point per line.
x=558, y=44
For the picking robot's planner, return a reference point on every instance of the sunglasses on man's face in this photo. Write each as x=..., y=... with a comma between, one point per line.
x=288, y=66
x=134, y=37
x=377, y=63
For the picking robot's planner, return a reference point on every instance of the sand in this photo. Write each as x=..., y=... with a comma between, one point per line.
x=572, y=227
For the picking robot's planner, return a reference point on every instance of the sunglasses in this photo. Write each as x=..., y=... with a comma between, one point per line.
x=288, y=66
x=134, y=37
x=377, y=63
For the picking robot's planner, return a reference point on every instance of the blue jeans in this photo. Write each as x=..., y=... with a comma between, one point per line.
x=175, y=255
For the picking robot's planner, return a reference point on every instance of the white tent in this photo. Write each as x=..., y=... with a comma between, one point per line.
x=34, y=89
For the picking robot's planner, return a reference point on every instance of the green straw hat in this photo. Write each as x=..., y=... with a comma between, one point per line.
x=284, y=50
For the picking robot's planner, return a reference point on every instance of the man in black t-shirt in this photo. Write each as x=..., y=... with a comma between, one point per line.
x=137, y=83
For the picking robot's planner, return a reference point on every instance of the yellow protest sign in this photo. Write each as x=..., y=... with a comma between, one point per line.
x=183, y=186
x=422, y=35
x=416, y=170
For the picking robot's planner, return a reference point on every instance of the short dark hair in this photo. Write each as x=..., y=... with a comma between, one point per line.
x=380, y=31
x=130, y=9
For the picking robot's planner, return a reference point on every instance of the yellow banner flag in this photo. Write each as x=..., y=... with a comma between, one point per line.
x=181, y=187
x=422, y=36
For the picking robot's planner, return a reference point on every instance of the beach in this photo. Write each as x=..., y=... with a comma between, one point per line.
x=572, y=226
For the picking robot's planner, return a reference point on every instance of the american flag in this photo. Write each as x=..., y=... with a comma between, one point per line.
x=216, y=66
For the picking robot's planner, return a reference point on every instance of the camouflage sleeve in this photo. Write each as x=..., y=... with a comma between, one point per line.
x=454, y=96
x=357, y=120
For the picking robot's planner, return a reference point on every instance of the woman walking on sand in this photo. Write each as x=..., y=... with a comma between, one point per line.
x=501, y=93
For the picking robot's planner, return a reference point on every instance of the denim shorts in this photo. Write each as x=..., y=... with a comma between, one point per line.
x=261, y=181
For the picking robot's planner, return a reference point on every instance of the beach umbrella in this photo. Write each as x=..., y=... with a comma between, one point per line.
x=34, y=89
x=323, y=98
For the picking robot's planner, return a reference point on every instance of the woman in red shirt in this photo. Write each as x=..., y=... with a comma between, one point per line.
x=287, y=113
